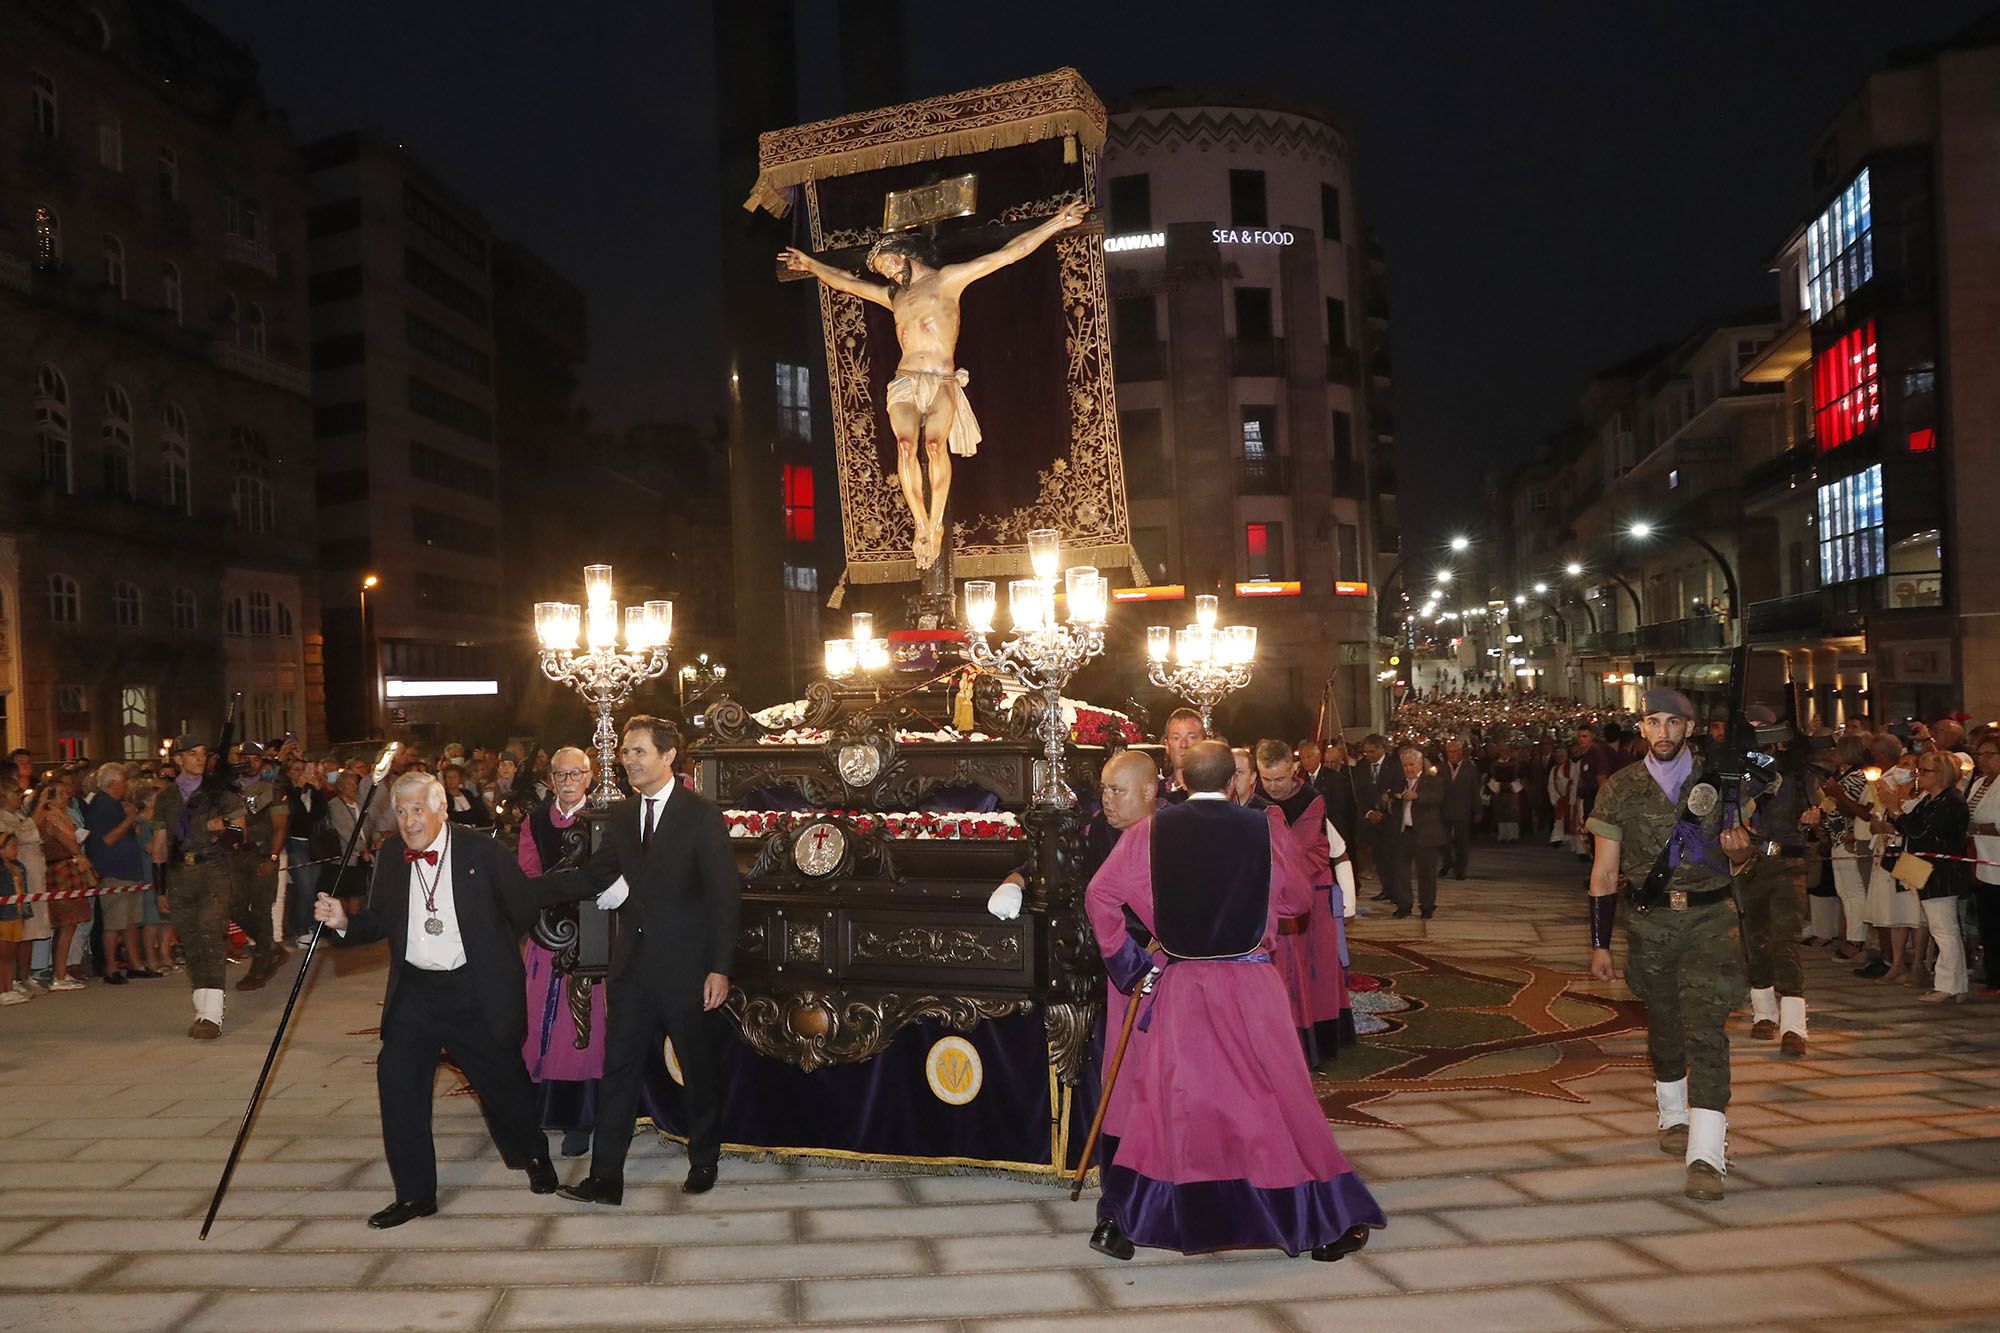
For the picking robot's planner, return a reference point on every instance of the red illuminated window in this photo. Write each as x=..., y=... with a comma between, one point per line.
x=1264, y=549
x=798, y=502
x=1923, y=441
x=1847, y=391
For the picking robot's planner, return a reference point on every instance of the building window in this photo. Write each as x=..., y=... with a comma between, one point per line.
x=434, y=218
x=232, y=617
x=1347, y=552
x=174, y=459
x=443, y=531
x=1850, y=528
x=52, y=428
x=1131, y=204
x=1336, y=323
x=251, y=495
x=285, y=623
x=250, y=219
x=449, y=470
x=800, y=518
x=1253, y=314
x=1847, y=390
x=1840, y=248
x=1264, y=550
x=135, y=721
x=48, y=237
x=1246, y=199
x=795, y=421
x=1538, y=500
x=259, y=340
x=801, y=578
x=232, y=318
x=183, y=610
x=168, y=175
x=1144, y=445
x=1923, y=439
x=114, y=265
x=260, y=614
x=47, y=123
x=72, y=721
x=128, y=605
x=65, y=602
x=1135, y=320
x=1346, y=474
x=436, y=344
x=1329, y=212
x=111, y=144
x=430, y=279
x=1260, y=431
x=170, y=290
x=117, y=442
x=448, y=409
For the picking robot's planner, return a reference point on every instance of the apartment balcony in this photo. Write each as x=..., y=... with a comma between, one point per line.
x=1609, y=643
x=1777, y=475
x=1262, y=357
x=262, y=368
x=1263, y=474
x=251, y=254
x=1135, y=359
x=1695, y=634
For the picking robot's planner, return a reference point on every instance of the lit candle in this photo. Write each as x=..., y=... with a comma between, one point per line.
x=1097, y=595
x=660, y=615
x=597, y=583
x=1024, y=603
x=548, y=626
x=601, y=626
x=839, y=658
x=979, y=605
x=1204, y=610
x=1076, y=591
x=1045, y=552
x=871, y=654
x=1159, y=643
x=638, y=635
x=862, y=626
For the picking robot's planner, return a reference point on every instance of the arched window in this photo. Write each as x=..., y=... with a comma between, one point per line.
x=52, y=428
x=170, y=290
x=232, y=318
x=169, y=177
x=48, y=237
x=284, y=621
x=253, y=218
x=232, y=616
x=174, y=459
x=65, y=603
x=128, y=605
x=183, y=610
x=114, y=265
x=255, y=326
x=250, y=483
x=47, y=123
x=117, y=442
x=260, y=614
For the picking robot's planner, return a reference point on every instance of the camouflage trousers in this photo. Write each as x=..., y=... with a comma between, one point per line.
x=1688, y=968
x=252, y=896
x=199, y=896
x=1771, y=891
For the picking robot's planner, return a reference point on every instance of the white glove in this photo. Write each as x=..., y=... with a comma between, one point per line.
x=614, y=896
x=1005, y=902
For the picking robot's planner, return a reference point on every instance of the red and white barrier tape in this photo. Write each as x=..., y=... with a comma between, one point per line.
x=66, y=895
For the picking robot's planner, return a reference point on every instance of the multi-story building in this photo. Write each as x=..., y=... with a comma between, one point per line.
x=402, y=293
x=1250, y=336
x=157, y=529
x=1878, y=500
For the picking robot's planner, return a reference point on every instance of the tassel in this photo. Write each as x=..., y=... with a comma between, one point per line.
x=1069, y=149
x=839, y=593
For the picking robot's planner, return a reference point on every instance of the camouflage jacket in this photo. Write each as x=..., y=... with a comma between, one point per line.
x=1633, y=812
x=186, y=820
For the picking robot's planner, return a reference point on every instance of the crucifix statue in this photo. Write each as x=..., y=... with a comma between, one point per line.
x=926, y=399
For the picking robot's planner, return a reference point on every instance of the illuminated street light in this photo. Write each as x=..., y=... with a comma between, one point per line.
x=1572, y=569
x=1461, y=543
x=1541, y=588
x=1443, y=577
x=1640, y=530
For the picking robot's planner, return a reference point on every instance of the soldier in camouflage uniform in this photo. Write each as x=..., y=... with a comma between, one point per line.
x=253, y=870
x=1683, y=955
x=203, y=824
x=1772, y=889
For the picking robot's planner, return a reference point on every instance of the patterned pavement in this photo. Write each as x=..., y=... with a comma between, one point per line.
x=1865, y=1183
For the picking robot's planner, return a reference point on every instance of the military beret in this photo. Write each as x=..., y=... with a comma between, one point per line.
x=182, y=744
x=1663, y=700
x=1759, y=715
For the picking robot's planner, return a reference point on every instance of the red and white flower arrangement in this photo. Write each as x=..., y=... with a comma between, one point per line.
x=966, y=826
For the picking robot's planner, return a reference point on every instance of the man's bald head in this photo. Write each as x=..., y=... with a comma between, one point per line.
x=1209, y=766
x=1129, y=786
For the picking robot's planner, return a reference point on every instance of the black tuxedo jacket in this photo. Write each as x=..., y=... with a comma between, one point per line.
x=685, y=893
x=490, y=897
x=1371, y=789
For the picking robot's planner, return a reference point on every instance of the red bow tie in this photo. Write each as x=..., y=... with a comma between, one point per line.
x=430, y=856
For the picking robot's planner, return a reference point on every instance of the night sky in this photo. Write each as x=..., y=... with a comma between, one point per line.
x=1558, y=184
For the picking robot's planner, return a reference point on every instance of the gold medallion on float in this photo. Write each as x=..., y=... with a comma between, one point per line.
x=954, y=1071
x=673, y=1063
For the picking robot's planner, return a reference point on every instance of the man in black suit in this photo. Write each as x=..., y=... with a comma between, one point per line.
x=1462, y=786
x=453, y=907
x=1413, y=834
x=1326, y=771
x=666, y=850
x=1374, y=775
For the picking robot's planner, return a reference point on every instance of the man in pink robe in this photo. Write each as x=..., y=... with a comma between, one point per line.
x=1222, y=1143
x=564, y=1073
x=1308, y=945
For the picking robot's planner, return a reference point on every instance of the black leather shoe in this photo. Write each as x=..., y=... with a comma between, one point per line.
x=1872, y=969
x=701, y=1179
x=401, y=1211
x=1109, y=1241
x=1350, y=1240
x=1429, y=912
x=595, y=1189
x=1400, y=912
x=542, y=1176
x=1380, y=898
x=114, y=979
x=576, y=1142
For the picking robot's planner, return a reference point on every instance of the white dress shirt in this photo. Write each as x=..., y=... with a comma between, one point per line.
x=619, y=890
x=434, y=953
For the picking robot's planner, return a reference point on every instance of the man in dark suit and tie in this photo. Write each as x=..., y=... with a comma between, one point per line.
x=1462, y=787
x=1374, y=775
x=667, y=868
x=453, y=907
x=1413, y=833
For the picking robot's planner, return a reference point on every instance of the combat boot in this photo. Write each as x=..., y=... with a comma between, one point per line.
x=1764, y=1013
x=1707, y=1154
x=1672, y=1099
x=1792, y=1021
x=1704, y=1182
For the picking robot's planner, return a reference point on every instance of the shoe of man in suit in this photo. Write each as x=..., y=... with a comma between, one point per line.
x=1382, y=898
x=595, y=1189
x=542, y=1176
x=700, y=1180
x=401, y=1211
x=1108, y=1240
x=1400, y=913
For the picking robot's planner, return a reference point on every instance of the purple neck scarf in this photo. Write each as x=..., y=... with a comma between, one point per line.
x=1672, y=775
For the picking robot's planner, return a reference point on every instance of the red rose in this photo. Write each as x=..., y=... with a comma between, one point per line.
x=1017, y=832
x=755, y=823
x=967, y=828
x=864, y=825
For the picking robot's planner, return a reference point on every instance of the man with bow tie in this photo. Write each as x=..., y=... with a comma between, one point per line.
x=452, y=906
x=666, y=862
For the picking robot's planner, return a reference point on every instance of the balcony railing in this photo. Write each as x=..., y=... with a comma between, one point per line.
x=251, y=254
x=1134, y=359
x=258, y=366
x=1781, y=473
x=1694, y=634
x=1257, y=356
x=1609, y=643
x=1263, y=474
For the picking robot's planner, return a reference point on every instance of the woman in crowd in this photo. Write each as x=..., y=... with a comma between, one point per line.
x=1892, y=908
x=36, y=924
x=14, y=952
x=1847, y=833
x=156, y=931
x=1983, y=812
x=1932, y=818
x=461, y=801
x=67, y=869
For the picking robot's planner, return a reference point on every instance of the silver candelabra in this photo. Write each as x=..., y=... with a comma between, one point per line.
x=1202, y=663
x=604, y=673
x=1045, y=651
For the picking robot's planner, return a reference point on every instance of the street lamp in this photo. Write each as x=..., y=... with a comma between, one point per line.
x=1643, y=531
x=1203, y=663
x=602, y=672
x=1443, y=578
x=700, y=676
x=369, y=581
x=1461, y=544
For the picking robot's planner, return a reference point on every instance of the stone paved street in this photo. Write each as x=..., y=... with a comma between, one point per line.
x=1865, y=1185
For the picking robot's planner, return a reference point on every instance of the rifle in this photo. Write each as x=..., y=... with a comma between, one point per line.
x=216, y=782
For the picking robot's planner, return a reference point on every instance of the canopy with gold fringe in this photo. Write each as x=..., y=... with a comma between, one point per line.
x=1035, y=339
